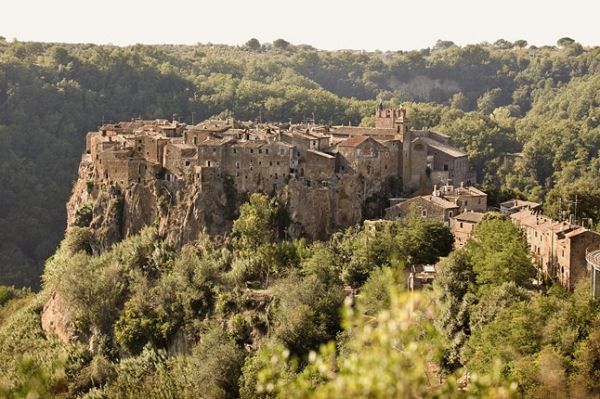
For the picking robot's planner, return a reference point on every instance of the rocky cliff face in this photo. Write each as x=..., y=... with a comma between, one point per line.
x=183, y=209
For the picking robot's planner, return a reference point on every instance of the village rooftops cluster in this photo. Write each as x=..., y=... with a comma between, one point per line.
x=264, y=157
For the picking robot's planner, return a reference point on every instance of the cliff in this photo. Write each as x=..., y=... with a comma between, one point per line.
x=183, y=209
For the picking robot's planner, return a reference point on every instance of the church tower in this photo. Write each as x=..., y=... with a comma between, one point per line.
x=393, y=118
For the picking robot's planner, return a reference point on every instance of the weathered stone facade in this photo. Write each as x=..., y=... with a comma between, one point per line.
x=558, y=248
x=462, y=226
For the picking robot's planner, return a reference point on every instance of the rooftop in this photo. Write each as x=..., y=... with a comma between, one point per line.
x=353, y=141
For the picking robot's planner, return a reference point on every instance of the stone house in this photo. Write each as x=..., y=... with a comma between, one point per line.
x=424, y=206
x=558, y=248
x=515, y=205
x=467, y=198
x=179, y=159
x=462, y=226
x=365, y=156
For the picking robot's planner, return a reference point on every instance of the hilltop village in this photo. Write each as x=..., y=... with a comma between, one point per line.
x=191, y=178
x=264, y=157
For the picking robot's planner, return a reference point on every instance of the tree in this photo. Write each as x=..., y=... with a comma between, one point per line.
x=565, y=42
x=253, y=44
x=489, y=101
x=453, y=285
x=499, y=253
x=257, y=222
x=423, y=241
x=306, y=314
x=442, y=45
x=281, y=44
x=459, y=101
x=503, y=44
x=520, y=43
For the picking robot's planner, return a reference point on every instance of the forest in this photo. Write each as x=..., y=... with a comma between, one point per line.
x=256, y=315
x=495, y=100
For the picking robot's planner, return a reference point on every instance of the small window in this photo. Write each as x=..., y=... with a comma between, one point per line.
x=461, y=225
x=187, y=163
x=195, y=140
x=207, y=163
x=445, y=167
x=235, y=150
x=424, y=213
x=259, y=151
x=214, y=150
x=450, y=214
x=251, y=151
x=466, y=202
x=266, y=150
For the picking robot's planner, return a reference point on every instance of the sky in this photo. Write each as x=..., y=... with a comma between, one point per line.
x=325, y=24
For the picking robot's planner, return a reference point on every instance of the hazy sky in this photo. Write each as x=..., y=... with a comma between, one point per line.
x=326, y=24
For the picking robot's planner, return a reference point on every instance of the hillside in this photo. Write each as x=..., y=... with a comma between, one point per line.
x=493, y=99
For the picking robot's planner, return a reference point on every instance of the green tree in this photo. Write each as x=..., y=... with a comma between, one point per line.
x=253, y=44
x=499, y=253
x=257, y=222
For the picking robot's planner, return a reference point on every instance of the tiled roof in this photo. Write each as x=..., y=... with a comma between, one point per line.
x=353, y=141
x=445, y=148
x=473, y=217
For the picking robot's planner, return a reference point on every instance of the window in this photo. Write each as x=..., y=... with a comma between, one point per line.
x=195, y=140
x=445, y=167
x=237, y=165
x=450, y=214
x=461, y=225
x=466, y=202
x=235, y=150
x=187, y=163
x=266, y=150
x=207, y=163
x=424, y=213
x=251, y=151
x=259, y=151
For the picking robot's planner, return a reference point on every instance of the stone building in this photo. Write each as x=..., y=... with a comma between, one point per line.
x=424, y=206
x=515, y=205
x=558, y=248
x=462, y=226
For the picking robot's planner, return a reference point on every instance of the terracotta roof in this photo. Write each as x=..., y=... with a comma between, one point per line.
x=353, y=141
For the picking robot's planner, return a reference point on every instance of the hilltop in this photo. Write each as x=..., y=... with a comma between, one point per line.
x=52, y=94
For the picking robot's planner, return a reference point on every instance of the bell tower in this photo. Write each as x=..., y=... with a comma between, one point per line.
x=393, y=118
